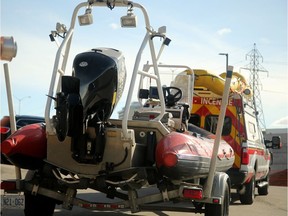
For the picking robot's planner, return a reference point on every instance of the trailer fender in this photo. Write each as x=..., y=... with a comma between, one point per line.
x=219, y=182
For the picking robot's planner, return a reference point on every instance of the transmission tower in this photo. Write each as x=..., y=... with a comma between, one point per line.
x=255, y=83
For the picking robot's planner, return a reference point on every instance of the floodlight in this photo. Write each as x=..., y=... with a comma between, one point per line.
x=61, y=28
x=87, y=18
x=162, y=30
x=130, y=20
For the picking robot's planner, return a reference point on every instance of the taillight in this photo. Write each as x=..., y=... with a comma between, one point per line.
x=4, y=130
x=193, y=193
x=8, y=185
x=170, y=159
x=244, y=156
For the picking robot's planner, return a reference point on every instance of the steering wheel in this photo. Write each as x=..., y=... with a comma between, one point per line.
x=172, y=95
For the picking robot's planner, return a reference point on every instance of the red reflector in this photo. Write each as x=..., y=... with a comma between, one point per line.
x=216, y=201
x=196, y=193
x=170, y=159
x=8, y=185
x=4, y=130
x=244, y=156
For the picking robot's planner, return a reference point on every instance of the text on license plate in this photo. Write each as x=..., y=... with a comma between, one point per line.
x=12, y=201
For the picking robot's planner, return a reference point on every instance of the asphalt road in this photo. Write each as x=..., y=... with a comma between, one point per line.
x=273, y=204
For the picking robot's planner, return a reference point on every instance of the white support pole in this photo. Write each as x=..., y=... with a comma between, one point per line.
x=10, y=99
x=12, y=116
x=209, y=184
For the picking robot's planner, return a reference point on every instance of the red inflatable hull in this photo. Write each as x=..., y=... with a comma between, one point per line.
x=184, y=156
x=27, y=147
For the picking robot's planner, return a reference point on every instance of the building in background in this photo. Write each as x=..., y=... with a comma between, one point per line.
x=279, y=155
x=278, y=173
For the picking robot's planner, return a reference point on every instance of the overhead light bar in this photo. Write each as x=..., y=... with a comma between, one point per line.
x=87, y=18
x=130, y=20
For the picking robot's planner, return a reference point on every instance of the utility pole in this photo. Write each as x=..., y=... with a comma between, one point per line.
x=226, y=54
x=255, y=67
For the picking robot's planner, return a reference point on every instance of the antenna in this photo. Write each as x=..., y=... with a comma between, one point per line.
x=255, y=83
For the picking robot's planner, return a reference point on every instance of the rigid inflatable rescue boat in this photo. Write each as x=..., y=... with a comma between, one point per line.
x=188, y=155
x=27, y=147
x=214, y=83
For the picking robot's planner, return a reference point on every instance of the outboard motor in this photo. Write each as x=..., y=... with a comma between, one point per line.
x=102, y=76
x=88, y=99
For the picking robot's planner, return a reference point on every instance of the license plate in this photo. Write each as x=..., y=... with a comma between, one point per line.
x=12, y=201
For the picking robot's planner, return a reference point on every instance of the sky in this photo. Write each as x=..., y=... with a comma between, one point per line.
x=199, y=31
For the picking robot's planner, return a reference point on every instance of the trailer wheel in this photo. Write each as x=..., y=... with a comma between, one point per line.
x=249, y=192
x=39, y=205
x=219, y=210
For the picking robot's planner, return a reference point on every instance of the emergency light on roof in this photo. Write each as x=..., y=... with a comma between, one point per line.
x=247, y=91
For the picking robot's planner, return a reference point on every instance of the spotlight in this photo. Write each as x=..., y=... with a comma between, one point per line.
x=130, y=20
x=87, y=18
x=61, y=28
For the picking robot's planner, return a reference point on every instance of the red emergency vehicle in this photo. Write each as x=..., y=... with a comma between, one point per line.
x=252, y=157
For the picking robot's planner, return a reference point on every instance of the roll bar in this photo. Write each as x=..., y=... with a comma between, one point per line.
x=64, y=49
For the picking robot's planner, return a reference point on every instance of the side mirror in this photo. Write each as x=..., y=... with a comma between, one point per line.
x=268, y=143
x=276, y=142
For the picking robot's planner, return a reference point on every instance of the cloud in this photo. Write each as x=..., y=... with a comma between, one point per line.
x=223, y=31
x=114, y=26
x=265, y=40
x=280, y=123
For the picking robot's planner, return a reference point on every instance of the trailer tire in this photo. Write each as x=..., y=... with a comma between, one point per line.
x=248, y=195
x=39, y=205
x=219, y=210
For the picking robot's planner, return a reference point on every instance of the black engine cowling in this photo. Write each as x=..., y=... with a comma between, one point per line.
x=102, y=76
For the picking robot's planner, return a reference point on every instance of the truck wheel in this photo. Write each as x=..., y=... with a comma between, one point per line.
x=219, y=210
x=249, y=193
x=39, y=205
